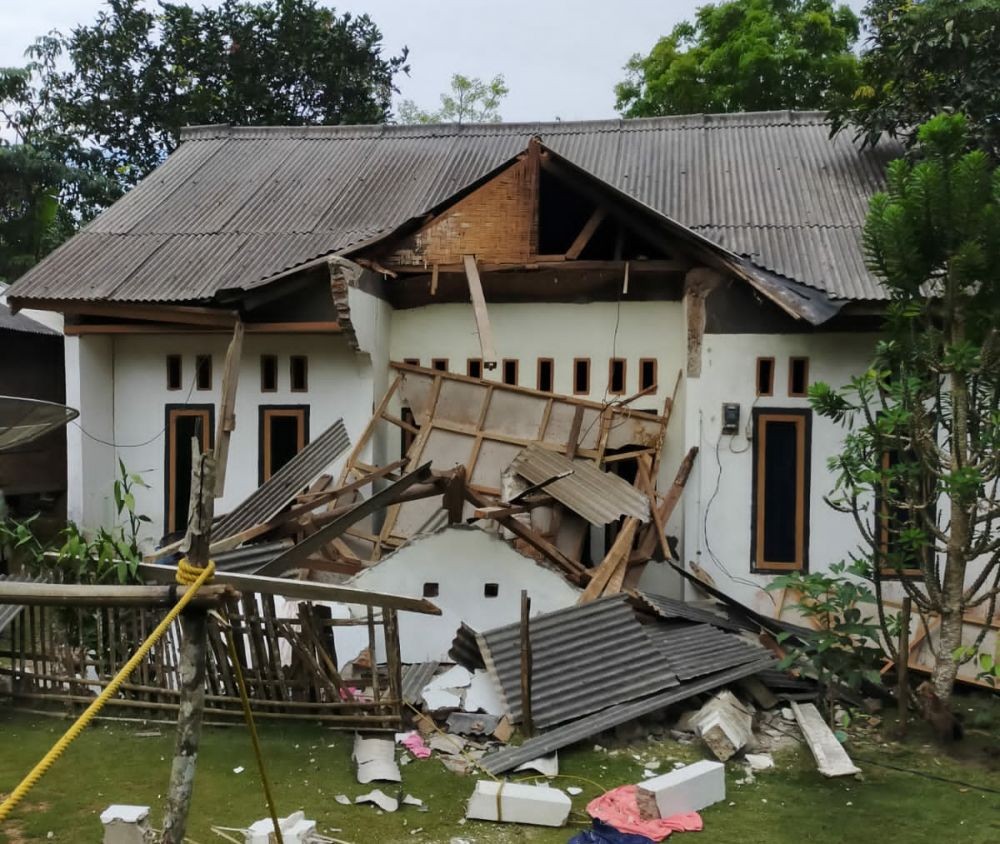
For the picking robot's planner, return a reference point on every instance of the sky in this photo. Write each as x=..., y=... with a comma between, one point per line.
x=561, y=58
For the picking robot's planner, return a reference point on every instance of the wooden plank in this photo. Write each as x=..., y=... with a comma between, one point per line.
x=670, y=500
x=831, y=758
x=434, y=280
x=617, y=554
x=573, y=441
x=487, y=349
x=86, y=595
x=527, y=723
x=226, y=422
x=586, y=233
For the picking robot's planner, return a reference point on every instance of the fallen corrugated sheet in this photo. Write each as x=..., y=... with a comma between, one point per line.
x=415, y=677
x=600, y=497
x=465, y=648
x=249, y=558
x=267, y=500
x=510, y=757
x=670, y=609
x=693, y=650
x=8, y=612
x=583, y=658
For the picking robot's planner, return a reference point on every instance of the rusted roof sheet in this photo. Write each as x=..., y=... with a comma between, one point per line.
x=510, y=757
x=583, y=658
x=268, y=500
x=599, y=497
x=234, y=206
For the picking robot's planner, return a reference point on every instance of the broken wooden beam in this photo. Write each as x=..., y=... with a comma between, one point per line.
x=616, y=557
x=227, y=408
x=86, y=595
x=487, y=349
x=666, y=508
x=586, y=233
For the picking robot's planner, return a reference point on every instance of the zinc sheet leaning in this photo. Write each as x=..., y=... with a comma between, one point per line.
x=510, y=757
x=694, y=650
x=599, y=497
x=583, y=658
x=670, y=608
x=268, y=500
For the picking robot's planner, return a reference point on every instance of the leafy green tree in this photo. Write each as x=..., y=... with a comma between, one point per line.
x=49, y=183
x=470, y=101
x=137, y=76
x=746, y=55
x=923, y=57
x=920, y=464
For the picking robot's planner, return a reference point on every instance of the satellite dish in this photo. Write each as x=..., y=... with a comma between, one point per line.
x=23, y=420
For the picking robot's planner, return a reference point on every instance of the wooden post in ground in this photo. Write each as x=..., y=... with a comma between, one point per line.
x=903, y=665
x=193, y=650
x=527, y=724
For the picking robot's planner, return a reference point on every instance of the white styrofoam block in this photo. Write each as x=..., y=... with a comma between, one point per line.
x=688, y=789
x=125, y=824
x=531, y=804
x=125, y=813
x=295, y=829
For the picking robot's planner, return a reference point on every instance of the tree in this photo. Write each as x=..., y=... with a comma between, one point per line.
x=920, y=465
x=48, y=182
x=471, y=101
x=923, y=57
x=745, y=55
x=136, y=76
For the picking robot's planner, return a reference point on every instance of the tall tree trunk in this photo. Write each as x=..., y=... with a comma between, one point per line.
x=953, y=587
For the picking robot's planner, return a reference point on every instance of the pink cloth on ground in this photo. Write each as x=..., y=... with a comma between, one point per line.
x=620, y=809
x=415, y=744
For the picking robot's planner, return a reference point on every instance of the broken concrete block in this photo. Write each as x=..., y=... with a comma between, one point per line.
x=831, y=758
x=295, y=829
x=545, y=765
x=686, y=789
x=380, y=799
x=725, y=725
x=125, y=824
x=759, y=761
x=474, y=724
x=376, y=759
x=531, y=804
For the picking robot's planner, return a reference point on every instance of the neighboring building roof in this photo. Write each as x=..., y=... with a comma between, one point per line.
x=23, y=324
x=235, y=206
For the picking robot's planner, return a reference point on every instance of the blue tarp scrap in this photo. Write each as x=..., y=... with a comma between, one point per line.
x=602, y=833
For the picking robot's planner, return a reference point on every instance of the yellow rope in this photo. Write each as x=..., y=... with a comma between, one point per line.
x=187, y=575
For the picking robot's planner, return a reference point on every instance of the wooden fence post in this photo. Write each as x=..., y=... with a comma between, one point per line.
x=193, y=650
x=903, y=665
x=527, y=725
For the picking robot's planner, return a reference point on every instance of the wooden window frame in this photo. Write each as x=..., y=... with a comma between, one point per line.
x=305, y=373
x=170, y=412
x=201, y=364
x=805, y=377
x=517, y=371
x=436, y=361
x=656, y=374
x=770, y=383
x=611, y=374
x=882, y=532
x=263, y=387
x=762, y=416
x=468, y=367
x=552, y=375
x=266, y=412
x=576, y=390
x=180, y=372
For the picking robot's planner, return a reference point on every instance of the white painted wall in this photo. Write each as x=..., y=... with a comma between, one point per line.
x=461, y=560
x=90, y=463
x=339, y=386
x=729, y=375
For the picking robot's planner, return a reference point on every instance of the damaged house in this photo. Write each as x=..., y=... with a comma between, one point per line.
x=596, y=337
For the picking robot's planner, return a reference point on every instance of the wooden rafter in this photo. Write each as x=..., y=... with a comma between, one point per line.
x=586, y=233
x=488, y=350
x=226, y=423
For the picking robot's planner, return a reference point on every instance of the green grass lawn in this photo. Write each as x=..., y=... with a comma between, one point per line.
x=310, y=765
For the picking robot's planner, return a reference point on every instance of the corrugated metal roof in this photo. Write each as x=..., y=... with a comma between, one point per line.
x=415, y=677
x=694, y=650
x=600, y=497
x=8, y=612
x=670, y=609
x=583, y=658
x=510, y=757
x=256, y=201
x=267, y=500
x=249, y=558
x=23, y=324
x=465, y=648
